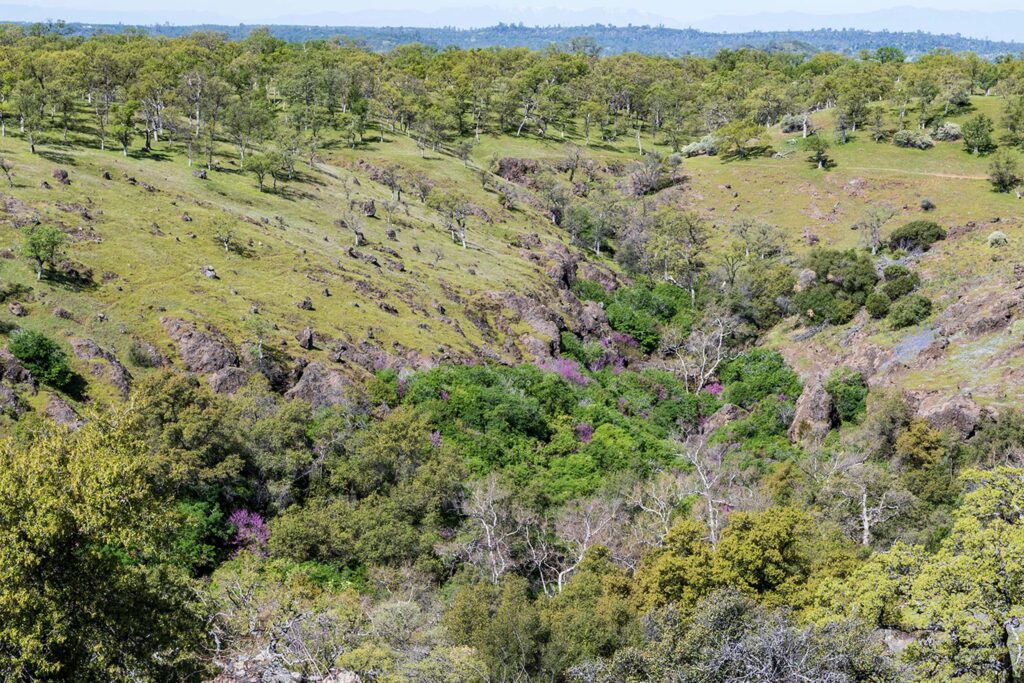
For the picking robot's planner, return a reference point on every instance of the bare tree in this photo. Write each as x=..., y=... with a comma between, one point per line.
x=8, y=170
x=494, y=528
x=874, y=220
x=580, y=526
x=699, y=355
x=868, y=496
x=713, y=482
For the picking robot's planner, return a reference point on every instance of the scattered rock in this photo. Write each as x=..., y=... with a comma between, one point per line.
x=306, y=304
x=17, y=309
x=199, y=173
x=369, y=208
x=186, y=218
x=61, y=176
x=75, y=272
x=391, y=235
x=59, y=312
x=105, y=175
x=305, y=338
x=208, y=272
x=325, y=292
x=45, y=186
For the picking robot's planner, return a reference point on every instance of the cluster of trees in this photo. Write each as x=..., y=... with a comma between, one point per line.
x=414, y=534
x=280, y=98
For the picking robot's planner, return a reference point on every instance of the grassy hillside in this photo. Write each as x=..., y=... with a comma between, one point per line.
x=134, y=231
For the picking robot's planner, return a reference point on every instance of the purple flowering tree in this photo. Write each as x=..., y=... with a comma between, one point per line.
x=251, y=532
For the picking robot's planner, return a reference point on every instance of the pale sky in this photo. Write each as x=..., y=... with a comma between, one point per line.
x=677, y=13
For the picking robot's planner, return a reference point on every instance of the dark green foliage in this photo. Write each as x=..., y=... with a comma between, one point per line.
x=849, y=393
x=843, y=280
x=588, y=290
x=909, y=311
x=899, y=282
x=585, y=353
x=522, y=422
x=640, y=310
x=758, y=374
x=763, y=435
x=637, y=323
x=42, y=357
x=997, y=439
x=878, y=304
x=917, y=235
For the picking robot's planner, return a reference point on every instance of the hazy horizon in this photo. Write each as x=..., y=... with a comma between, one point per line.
x=993, y=19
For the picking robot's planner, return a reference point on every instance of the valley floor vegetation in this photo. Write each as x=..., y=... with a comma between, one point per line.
x=624, y=480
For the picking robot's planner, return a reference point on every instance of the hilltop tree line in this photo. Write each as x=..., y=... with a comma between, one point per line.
x=656, y=40
x=281, y=98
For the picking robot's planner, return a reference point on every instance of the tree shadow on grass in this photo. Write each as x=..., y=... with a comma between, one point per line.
x=151, y=155
x=755, y=152
x=56, y=157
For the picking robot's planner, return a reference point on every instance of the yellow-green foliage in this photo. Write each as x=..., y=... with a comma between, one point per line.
x=87, y=592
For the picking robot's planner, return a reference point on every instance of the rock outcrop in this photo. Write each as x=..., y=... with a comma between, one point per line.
x=61, y=412
x=103, y=364
x=814, y=415
x=320, y=386
x=228, y=380
x=13, y=371
x=202, y=352
x=959, y=413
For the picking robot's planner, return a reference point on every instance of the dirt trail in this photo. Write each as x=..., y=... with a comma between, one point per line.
x=926, y=173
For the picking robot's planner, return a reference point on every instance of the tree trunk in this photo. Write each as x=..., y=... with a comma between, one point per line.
x=865, y=522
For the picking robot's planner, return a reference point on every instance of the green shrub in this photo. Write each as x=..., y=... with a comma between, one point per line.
x=998, y=239
x=585, y=353
x=849, y=393
x=844, y=279
x=878, y=304
x=909, y=311
x=588, y=290
x=635, y=322
x=895, y=271
x=899, y=287
x=916, y=139
x=42, y=356
x=756, y=375
x=825, y=303
x=852, y=271
x=917, y=235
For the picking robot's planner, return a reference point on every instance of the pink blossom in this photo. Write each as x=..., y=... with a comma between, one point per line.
x=715, y=389
x=251, y=532
x=568, y=369
x=584, y=432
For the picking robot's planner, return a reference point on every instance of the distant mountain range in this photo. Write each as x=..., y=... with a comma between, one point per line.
x=612, y=39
